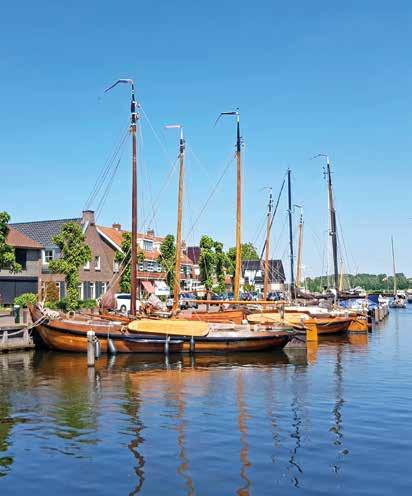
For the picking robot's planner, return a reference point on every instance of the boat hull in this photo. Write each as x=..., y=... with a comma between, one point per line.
x=71, y=336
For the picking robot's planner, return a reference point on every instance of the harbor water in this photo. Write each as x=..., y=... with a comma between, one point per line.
x=335, y=420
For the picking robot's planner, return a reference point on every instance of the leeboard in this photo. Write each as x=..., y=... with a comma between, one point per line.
x=177, y=327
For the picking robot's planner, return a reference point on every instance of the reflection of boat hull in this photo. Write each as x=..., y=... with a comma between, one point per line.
x=66, y=335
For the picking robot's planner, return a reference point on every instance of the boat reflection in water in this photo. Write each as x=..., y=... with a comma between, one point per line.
x=177, y=422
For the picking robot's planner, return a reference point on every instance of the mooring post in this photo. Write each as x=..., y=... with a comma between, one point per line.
x=167, y=345
x=90, y=348
x=192, y=344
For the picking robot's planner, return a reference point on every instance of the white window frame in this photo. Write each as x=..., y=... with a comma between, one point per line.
x=147, y=245
x=92, y=291
x=44, y=255
x=116, y=266
x=87, y=265
x=97, y=262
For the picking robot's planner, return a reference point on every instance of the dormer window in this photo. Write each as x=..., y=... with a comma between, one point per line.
x=147, y=245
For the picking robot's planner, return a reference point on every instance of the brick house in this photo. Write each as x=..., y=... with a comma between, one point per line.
x=253, y=273
x=28, y=255
x=151, y=276
x=94, y=276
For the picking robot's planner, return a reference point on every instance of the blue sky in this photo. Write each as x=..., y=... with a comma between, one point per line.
x=308, y=77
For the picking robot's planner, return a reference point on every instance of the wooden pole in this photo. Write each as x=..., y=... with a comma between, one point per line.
x=300, y=246
x=332, y=231
x=292, y=270
x=176, y=290
x=90, y=348
x=269, y=222
x=133, y=260
x=238, y=212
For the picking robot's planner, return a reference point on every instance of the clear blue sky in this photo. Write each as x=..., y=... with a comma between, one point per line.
x=309, y=77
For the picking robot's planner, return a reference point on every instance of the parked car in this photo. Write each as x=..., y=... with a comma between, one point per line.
x=184, y=302
x=123, y=302
x=274, y=296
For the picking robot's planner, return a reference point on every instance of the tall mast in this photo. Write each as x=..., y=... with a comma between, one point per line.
x=332, y=214
x=268, y=225
x=176, y=289
x=292, y=270
x=238, y=202
x=394, y=269
x=300, y=245
x=332, y=231
x=133, y=259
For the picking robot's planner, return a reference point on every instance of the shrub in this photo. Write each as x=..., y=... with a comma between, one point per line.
x=25, y=299
x=88, y=304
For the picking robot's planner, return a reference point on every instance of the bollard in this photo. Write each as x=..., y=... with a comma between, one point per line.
x=111, y=348
x=90, y=348
x=97, y=349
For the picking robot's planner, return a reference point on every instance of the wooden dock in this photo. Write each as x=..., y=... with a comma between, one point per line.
x=14, y=336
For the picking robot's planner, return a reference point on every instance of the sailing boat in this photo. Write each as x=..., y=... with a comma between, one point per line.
x=398, y=300
x=156, y=333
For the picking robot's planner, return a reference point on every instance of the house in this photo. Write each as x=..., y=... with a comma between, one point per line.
x=28, y=255
x=253, y=274
x=151, y=276
x=94, y=276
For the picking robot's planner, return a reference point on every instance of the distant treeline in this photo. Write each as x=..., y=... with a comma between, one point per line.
x=369, y=282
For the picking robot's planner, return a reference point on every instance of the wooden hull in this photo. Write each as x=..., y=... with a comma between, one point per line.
x=72, y=336
x=359, y=324
x=226, y=316
x=324, y=325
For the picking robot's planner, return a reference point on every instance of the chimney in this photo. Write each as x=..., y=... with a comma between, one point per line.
x=88, y=217
x=150, y=232
x=116, y=226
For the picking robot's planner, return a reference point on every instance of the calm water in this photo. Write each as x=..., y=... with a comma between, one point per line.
x=335, y=422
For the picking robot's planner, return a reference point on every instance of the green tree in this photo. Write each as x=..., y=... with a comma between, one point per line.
x=247, y=252
x=74, y=254
x=167, y=259
x=207, y=261
x=123, y=259
x=7, y=254
x=222, y=266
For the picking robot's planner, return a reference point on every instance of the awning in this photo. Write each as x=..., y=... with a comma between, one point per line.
x=162, y=289
x=148, y=286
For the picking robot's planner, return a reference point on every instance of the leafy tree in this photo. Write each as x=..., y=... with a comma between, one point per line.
x=123, y=259
x=207, y=261
x=247, y=252
x=222, y=265
x=369, y=282
x=167, y=259
x=74, y=255
x=7, y=254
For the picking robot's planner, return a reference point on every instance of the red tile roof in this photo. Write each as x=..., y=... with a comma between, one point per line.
x=19, y=240
x=116, y=236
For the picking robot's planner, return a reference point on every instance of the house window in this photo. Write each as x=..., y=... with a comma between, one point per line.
x=87, y=265
x=150, y=266
x=147, y=245
x=92, y=291
x=158, y=267
x=97, y=263
x=141, y=267
x=48, y=256
x=115, y=266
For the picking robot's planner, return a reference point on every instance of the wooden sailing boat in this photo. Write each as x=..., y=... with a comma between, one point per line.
x=157, y=334
x=398, y=300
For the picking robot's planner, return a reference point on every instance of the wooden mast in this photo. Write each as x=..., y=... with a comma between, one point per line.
x=176, y=288
x=133, y=258
x=332, y=232
x=268, y=225
x=238, y=210
x=394, y=269
x=292, y=270
x=300, y=245
x=238, y=260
